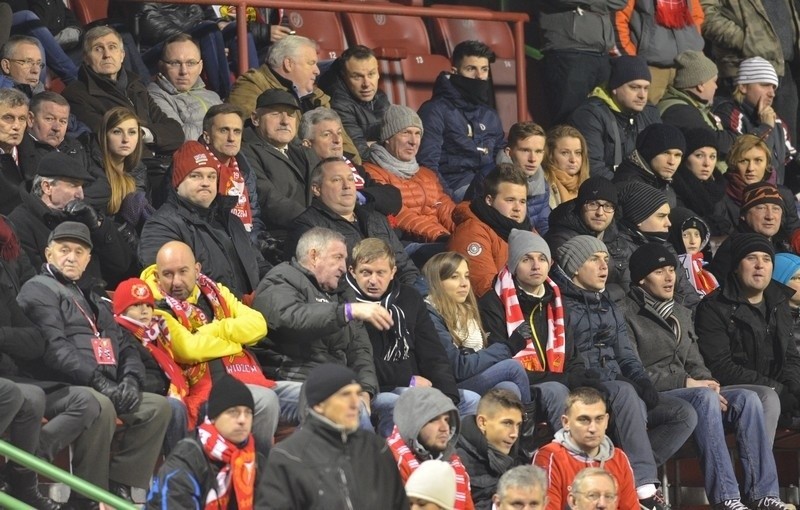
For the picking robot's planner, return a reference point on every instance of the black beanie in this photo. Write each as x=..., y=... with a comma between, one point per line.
x=743, y=244
x=658, y=138
x=325, y=380
x=697, y=138
x=638, y=201
x=228, y=392
x=627, y=68
x=649, y=257
x=596, y=188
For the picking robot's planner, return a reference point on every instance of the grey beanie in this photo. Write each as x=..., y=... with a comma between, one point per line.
x=756, y=70
x=522, y=242
x=398, y=118
x=692, y=69
x=575, y=252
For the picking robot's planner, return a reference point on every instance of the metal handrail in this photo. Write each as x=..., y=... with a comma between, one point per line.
x=75, y=483
x=518, y=20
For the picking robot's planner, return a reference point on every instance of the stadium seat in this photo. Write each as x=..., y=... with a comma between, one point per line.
x=323, y=27
x=88, y=11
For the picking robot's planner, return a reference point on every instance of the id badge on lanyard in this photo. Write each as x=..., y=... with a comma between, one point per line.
x=102, y=347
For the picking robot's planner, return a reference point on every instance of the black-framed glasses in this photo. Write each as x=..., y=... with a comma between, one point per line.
x=175, y=64
x=593, y=205
x=27, y=63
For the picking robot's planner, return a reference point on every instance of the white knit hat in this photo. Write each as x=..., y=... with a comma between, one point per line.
x=756, y=70
x=434, y=481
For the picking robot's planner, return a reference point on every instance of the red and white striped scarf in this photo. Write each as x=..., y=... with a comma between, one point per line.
x=407, y=463
x=532, y=357
x=238, y=471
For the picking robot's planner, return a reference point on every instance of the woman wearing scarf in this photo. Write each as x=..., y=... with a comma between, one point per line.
x=566, y=163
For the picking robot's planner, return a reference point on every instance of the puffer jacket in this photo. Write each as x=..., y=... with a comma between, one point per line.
x=188, y=108
x=447, y=147
x=610, y=133
x=635, y=168
x=427, y=212
x=484, y=464
x=740, y=29
x=323, y=467
x=361, y=120
x=308, y=327
x=638, y=33
x=668, y=361
x=599, y=331
x=578, y=25
x=739, y=345
x=58, y=306
x=255, y=81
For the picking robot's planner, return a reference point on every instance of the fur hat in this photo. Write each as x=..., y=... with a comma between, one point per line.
x=398, y=118
x=692, y=69
x=575, y=252
x=522, y=242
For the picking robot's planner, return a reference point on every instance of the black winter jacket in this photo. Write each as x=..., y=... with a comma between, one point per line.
x=31, y=151
x=484, y=464
x=634, y=168
x=361, y=120
x=12, y=184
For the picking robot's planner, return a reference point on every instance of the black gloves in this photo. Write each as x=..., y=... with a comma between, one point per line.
x=80, y=211
x=129, y=395
x=271, y=248
x=103, y=384
x=519, y=338
x=789, y=402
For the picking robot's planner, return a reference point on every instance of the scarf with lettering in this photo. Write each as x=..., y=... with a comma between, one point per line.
x=156, y=339
x=534, y=357
x=407, y=462
x=192, y=316
x=231, y=184
x=238, y=471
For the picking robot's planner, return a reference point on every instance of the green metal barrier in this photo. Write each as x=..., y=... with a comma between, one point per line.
x=50, y=471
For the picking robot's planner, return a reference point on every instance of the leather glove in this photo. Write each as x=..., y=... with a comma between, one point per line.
x=519, y=338
x=789, y=402
x=103, y=385
x=80, y=211
x=129, y=394
x=271, y=248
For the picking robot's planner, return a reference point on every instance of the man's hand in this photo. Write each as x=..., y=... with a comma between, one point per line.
x=373, y=313
x=765, y=112
x=278, y=32
x=80, y=211
x=365, y=398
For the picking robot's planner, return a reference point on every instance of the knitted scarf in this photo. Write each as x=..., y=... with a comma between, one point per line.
x=192, y=316
x=239, y=468
x=567, y=185
x=673, y=14
x=533, y=357
x=231, y=183
x=402, y=169
x=399, y=332
x=736, y=184
x=156, y=339
x=407, y=462
x=664, y=310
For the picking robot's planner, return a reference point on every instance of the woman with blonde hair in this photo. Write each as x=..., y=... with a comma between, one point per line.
x=566, y=163
x=454, y=311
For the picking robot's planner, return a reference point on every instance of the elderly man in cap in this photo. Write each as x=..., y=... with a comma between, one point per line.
x=612, y=116
x=427, y=212
x=85, y=347
x=662, y=332
x=361, y=471
x=750, y=111
x=221, y=465
x=57, y=196
x=196, y=214
x=280, y=164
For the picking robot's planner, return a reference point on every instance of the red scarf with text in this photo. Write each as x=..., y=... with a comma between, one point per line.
x=231, y=183
x=407, y=463
x=191, y=316
x=533, y=357
x=239, y=470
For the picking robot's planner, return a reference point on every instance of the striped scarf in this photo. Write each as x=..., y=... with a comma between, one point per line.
x=407, y=463
x=664, y=310
x=192, y=316
x=533, y=357
x=399, y=350
x=239, y=469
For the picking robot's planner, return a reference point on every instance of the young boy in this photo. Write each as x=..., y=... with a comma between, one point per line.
x=133, y=310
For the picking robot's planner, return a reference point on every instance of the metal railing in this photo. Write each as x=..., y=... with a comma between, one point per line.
x=517, y=19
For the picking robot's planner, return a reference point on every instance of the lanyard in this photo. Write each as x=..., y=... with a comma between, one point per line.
x=536, y=343
x=89, y=319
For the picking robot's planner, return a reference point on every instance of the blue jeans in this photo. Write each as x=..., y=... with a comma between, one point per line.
x=746, y=416
x=293, y=405
x=27, y=23
x=552, y=399
x=670, y=424
x=507, y=374
x=383, y=407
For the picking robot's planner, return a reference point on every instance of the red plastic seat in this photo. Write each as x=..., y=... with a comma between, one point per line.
x=323, y=27
x=88, y=11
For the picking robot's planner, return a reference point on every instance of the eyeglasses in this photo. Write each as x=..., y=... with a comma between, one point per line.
x=595, y=496
x=175, y=64
x=27, y=63
x=593, y=205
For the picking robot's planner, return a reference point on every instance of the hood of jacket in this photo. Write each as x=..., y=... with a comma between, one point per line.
x=415, y=408
x=606, y=452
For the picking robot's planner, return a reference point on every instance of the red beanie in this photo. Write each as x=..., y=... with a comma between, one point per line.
x=188, y=158
x=132, y=291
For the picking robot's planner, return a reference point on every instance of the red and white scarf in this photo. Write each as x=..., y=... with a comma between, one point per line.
x=533, y=357
x=407, y=463
x=238, y=471
x=231, y=184
x=192, y=316
x=703, y=281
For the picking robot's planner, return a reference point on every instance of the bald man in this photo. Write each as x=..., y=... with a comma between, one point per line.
x=210, y=330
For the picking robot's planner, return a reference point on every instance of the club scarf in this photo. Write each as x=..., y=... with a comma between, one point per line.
x=399, y=331
x=673, y=14
x=239, y=468
x=231, y=184
x=702, y=280
x=190, y=315
x=156, y=339
x=407, y=463
x=533, y=357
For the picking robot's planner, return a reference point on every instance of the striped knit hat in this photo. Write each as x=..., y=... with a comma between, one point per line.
x=638, y=201
x=756, y=70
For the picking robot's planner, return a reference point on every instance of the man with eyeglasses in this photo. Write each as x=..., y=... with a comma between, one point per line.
x=592, y=213
x=594, y=488
x=178, y=88
x=581, y=443
x=21, y=65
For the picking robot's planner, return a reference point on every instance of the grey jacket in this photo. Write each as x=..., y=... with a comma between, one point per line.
x=307, y=327
x=188, y=108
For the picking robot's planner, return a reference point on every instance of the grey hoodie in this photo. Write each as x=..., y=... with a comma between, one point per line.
x=605, y=453
x=418, y=406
